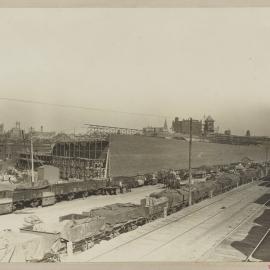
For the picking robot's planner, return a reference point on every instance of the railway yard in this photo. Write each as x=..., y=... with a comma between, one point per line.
x=217, y=229
x=76, y=212
x=51, y=213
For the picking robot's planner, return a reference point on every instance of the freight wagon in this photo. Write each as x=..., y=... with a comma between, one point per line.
x=68, y=190
x=34, y=196
x=90, y=227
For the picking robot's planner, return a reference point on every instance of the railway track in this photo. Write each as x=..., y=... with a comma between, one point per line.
x=249, y=258
x=173, y=219
x=247, y=219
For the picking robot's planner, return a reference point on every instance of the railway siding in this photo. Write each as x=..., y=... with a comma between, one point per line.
x=140, y=244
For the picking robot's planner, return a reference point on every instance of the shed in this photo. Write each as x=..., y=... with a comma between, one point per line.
x=49, y=173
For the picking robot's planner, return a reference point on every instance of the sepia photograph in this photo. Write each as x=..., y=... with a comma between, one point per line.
x=134, y=135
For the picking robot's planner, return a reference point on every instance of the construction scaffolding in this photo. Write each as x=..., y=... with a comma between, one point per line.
x=81, y=159
x=98, y=129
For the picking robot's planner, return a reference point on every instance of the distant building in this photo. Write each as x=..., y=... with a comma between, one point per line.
x=184, y=126
x=43, y=135
x=227, y=132
x=2, y=129
x=248, y=133
x=209, y=126
x=165, y=127
x=16, y=132
x=232, y=139
x=156, y=131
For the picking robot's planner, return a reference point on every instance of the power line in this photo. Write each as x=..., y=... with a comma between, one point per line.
x=81, y=107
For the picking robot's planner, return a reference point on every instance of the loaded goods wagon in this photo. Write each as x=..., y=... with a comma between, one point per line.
x=154, y=207
x=68, y=189
x=176, y=198
x=6, y=205
x=48, y=198
x=6, y=201
x=27, y=197
x=119, y=217
x=74, y=234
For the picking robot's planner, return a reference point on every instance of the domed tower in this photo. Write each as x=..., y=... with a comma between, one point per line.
x=209, y=126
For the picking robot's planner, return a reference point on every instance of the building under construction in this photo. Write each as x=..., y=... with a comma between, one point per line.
x=82, y=158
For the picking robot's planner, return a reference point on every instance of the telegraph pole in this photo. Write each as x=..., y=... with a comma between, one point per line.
x=32, y=161
x=189, y=162
x=266, y=159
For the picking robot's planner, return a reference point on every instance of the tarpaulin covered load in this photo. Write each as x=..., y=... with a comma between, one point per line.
x=249, y=174
x=116, y=213
x=23, y=247
x=83, y=228
x=154, y=206
x=228, y=178
x=73, y=230
x=198, y=191
x=205, y=186
x=175, y=197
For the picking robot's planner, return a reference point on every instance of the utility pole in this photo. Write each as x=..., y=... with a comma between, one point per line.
x=32, y=160
x=189, y=162
x=266, y=159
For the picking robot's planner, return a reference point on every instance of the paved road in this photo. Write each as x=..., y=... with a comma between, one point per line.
x=188, y=235
x=51, y=213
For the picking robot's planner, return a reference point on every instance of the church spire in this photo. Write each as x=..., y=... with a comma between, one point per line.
x=165, y=125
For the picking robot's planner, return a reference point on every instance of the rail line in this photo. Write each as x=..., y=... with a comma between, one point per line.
x=197, y=225
x=224, y=196
x=236, y=228
x=248, y=259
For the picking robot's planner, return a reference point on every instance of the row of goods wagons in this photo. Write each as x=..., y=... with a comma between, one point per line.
x=18, y=198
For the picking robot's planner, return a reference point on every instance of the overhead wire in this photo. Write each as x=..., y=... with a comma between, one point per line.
x=82, y=107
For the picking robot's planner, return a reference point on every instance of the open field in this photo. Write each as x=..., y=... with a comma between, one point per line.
x=139, y=154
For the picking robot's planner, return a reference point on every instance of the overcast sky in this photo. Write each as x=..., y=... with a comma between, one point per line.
x=168, y=62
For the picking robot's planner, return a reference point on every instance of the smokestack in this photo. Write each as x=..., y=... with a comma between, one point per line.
x=41, y=128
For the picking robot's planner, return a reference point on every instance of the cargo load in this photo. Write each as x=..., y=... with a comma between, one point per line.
x=228, y=181
x=20, y=247
x=116, y=213
x=175, y=197
x=154, y=207
x=73, y=230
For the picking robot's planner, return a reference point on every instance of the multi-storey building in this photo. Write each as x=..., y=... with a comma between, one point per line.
x=184, y=126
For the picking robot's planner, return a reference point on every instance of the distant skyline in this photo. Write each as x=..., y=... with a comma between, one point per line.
x=164, y=62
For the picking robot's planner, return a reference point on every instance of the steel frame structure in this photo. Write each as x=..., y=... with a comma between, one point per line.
x=98, y=129
x=81, y=159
